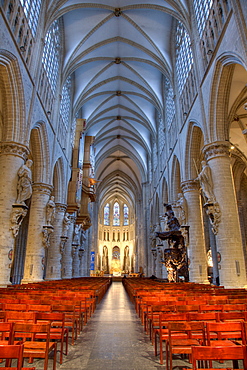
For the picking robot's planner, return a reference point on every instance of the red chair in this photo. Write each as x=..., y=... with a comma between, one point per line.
x=33, y=346
x=13, y=352
x=162, y=331
x=208, y=354
x=58, y=331
x=5, y=333
x=181, y=337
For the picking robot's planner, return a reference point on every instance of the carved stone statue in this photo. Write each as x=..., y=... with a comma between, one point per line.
x=206, y=182
x=50, y=210
x=24, y=185
x=76, y=237
x=66, y=224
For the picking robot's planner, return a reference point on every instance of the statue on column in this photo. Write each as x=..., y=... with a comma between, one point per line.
x=66, y=224
x=24, y=185
x=50, y=210
x=206, y=182
x=76, y=237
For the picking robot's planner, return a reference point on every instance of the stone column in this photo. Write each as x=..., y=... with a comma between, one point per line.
x=196, y=251
x=81, y=261
x=12, y=157
x=35, y=251
x=228, y=235
x=53, y=270
x=76, y=260
x=67, y=254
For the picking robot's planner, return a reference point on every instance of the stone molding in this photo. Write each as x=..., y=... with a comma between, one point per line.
x=40, y=187
x=13, y=148
x=190, y=185
x=216, y=149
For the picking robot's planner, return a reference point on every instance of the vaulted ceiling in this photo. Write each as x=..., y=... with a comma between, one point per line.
x=119, y=52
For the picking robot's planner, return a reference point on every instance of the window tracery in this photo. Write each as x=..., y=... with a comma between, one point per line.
x=202, y=9
x=116, y=214
x=184, y=58
x=50, y=58
x=32, y=12
x=66, y=102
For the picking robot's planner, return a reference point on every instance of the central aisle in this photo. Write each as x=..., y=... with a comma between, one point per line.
x=113, y=339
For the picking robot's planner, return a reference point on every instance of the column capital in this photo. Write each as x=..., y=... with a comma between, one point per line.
x=40, y=187
x=15, y=149
x=216, y=149
x=190, y=185
x=61, y=207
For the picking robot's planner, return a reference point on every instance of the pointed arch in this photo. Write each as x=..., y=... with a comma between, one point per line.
x=41, y=153
x=194, y=143
x=59, y=181
x=175, y=179
x=220, y=90
x=12, y=91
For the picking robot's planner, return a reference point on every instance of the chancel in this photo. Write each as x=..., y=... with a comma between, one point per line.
x=123, y=161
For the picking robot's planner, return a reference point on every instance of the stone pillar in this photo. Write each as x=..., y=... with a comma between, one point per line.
x=196, y=251
x=75, y=261
x=12, y=157
x=35, y=251
x=67, y=254
x=81, y=261
x=53, y=270
x=228, y=235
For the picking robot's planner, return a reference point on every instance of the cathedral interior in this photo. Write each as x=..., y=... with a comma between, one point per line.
x=122, y=124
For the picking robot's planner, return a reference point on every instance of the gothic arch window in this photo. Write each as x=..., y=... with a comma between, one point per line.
x=107, y=214
x=202, y=9
x=116, y=214
x=184, y=58
x=50, y=58
x=66, y=102
x=32, y=11
x=126, y=214
x=116, y=253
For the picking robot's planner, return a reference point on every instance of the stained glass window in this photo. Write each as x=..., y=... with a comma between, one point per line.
x=32, y=11
x=126, y=214
x=184, y=58
x=202, y=9
x=107, y=215
x=50, y=57
x=116, y=214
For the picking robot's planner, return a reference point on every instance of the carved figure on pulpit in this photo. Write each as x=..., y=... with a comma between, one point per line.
x=180, y=209
x=172, y=222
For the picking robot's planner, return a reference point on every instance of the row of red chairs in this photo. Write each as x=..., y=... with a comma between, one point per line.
x=181, y=315
x=39, y=316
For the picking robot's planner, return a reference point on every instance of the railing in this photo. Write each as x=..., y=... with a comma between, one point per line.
x=19, y=25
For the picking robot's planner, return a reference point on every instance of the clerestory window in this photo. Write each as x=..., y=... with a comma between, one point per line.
x=32, y=11
x=50, y=57
x=184, y=58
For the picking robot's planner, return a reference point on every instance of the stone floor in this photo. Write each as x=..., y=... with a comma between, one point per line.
x=113, y=339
